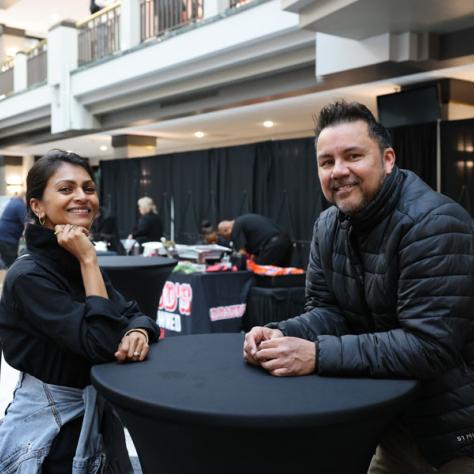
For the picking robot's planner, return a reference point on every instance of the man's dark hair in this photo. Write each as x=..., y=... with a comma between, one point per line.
x=342, y=112
x=44, y=168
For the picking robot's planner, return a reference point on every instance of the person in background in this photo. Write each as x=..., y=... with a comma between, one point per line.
x=59, y=315
x=389, y=294
x=104, y=228
x=258, y=236
x=12, y=224
x=150, y=228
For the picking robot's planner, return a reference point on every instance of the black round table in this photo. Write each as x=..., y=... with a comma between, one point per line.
x=196, y=407
x=139, y=278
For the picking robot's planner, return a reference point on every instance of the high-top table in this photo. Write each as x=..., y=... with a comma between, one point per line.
x=196, y=407
x=139, y=278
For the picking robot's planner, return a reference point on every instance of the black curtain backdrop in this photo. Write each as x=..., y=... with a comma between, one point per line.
x=288, y=190
x=193, y=193
x=277, y=179
x=119, y=188
x=457, y=162
x=233, y=177
x=415, y=148
x=155, y=182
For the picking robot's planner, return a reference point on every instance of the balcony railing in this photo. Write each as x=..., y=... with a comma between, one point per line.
x=99, y=35
x=160, y=16
x=37, y=65
x=6, y=78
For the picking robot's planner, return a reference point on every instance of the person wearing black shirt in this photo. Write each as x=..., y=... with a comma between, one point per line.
x=259, y=236
x=104, y=228
x=150, y=228
x=59, y=315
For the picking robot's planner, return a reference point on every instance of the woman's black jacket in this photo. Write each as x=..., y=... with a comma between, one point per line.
x=49, y=328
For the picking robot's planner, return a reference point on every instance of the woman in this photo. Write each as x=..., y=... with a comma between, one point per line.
x=59, y=315
x=150, y=228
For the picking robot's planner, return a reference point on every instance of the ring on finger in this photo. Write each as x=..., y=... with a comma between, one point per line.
x=136, y=354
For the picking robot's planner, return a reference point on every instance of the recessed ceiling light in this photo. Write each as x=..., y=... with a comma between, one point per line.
x=268, y=124
x=103, y=148
x=199, y=134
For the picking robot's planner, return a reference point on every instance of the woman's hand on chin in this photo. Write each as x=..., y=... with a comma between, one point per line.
x=75, y=239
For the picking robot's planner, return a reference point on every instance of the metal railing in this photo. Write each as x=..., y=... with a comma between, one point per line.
x=6, y=77
x=160, y=16
x=99, y=35
x=37, y=63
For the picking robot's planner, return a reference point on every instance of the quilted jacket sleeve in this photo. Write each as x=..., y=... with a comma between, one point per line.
x=435, y=306
x=322, y=315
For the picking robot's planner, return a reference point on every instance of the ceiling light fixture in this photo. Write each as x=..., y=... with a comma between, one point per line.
x=199, y=134
x=268, y=124
x=103, y=148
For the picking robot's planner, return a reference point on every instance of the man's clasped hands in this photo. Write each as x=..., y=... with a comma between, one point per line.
x=280, y=355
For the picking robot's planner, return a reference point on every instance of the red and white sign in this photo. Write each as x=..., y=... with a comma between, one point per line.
x=175, y=301
x=227, y=312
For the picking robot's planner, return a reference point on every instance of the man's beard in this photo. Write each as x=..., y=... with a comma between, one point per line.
x=355, y=211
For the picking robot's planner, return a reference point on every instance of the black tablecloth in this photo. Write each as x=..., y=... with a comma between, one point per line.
x=266, y=305
x=139, y=278
x=199, y=302
x=196, y=407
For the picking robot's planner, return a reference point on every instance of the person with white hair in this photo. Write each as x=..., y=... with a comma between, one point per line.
x=150, y=227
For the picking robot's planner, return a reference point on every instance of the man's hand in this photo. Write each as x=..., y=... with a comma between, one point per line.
x=133, y=347
x=285, y=356
x=253, y=339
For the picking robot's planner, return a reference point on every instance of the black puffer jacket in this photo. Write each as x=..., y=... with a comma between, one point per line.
x=391, y=294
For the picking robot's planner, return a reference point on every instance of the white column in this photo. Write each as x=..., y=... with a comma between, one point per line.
x=26, y=164
x=129, y=24
x=20, y=72
x=215, y=7
x=66, y=112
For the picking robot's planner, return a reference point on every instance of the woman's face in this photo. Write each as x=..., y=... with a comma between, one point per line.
x=70, y=197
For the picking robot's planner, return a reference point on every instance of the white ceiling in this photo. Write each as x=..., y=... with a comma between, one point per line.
x=37, y=16
x=293, y=117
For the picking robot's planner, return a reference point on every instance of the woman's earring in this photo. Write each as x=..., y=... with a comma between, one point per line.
x=41, y=220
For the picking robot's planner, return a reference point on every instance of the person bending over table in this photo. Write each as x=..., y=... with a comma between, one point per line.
x=59, y=315
x=259, y=236
x=389, y=293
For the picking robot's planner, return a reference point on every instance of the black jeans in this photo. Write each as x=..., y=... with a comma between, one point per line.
x=277, y=251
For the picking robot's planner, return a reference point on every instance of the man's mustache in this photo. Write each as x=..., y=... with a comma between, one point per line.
x=336, y=184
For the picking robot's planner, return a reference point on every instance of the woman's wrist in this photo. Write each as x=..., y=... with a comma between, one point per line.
x=140, y=330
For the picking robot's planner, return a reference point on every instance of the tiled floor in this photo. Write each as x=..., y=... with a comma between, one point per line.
x=8, y=379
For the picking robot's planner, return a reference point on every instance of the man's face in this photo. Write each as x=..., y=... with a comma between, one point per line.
x=351, y=167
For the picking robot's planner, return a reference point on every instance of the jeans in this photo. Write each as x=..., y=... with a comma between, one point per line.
x=33, y=420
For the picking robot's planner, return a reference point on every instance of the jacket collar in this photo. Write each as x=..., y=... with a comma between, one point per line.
x=383, y=204
x=42, y=242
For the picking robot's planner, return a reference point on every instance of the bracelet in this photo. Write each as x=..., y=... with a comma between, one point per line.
x=140, y=330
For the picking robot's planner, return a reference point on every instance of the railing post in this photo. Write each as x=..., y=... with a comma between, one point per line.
x=215, y=7
x=129, y=24
x=66, y=112
x=20, y=74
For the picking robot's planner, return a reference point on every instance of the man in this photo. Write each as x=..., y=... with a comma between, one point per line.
x=389, y=293
x=259, y=236
x=12, y=224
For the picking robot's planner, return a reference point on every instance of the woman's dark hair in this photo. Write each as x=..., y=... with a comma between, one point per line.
x=44, y=168
x=342, y=111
